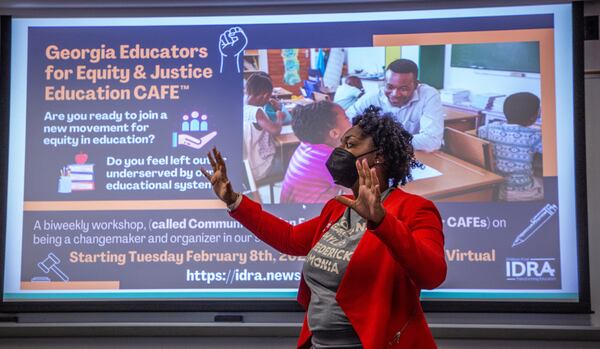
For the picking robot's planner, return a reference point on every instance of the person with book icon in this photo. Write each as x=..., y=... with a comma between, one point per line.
x=515, y=142
x=417, y=106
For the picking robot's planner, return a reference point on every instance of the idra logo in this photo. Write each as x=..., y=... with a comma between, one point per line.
x=530, y=269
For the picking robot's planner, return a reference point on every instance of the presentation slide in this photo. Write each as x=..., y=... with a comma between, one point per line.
x=111, y=120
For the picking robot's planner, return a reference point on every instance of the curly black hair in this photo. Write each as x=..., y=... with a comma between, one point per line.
x=392, y=141
x=311, y=123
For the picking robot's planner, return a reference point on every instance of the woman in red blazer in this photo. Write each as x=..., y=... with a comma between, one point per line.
x=368, y=254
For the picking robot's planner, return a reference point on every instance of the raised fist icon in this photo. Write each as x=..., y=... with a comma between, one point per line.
x=231, y=45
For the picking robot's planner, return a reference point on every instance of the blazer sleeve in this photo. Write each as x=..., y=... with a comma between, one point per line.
x=295, y=240
x=417, y=243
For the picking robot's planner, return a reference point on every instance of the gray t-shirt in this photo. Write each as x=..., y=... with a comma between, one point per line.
x=324, y=269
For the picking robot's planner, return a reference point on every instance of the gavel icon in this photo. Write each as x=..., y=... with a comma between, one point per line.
x=51, y=264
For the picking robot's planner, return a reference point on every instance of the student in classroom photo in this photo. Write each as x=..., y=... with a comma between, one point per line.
x=273, y=105
x=349, y=92
x=319, y=127
x=259, y=146
x=514, y=145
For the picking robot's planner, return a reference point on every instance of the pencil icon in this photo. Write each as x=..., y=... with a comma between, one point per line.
x=536, y=223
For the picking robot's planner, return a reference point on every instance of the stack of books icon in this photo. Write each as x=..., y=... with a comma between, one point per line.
x=82, y=176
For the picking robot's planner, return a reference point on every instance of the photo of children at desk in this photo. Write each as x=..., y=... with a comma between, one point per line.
x=474, y=146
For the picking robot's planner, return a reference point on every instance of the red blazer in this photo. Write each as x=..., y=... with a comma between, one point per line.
x=379, y=293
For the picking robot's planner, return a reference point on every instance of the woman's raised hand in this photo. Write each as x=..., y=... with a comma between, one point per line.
x=220, y=183
x=368, y=202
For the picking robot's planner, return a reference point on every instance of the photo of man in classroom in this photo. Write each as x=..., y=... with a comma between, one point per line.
x=474, y=111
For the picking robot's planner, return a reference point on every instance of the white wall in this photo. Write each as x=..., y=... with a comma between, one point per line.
x=366, y=59
x=410, y=52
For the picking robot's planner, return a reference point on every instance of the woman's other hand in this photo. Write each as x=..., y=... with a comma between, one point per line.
x=368, y=203
x=219, y=181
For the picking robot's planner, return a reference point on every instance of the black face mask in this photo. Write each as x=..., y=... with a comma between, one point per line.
x=342, y=166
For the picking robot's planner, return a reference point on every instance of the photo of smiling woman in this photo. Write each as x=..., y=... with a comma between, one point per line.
x=368, y=254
